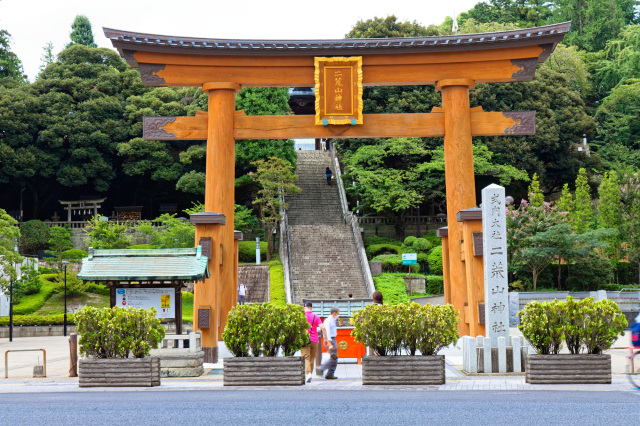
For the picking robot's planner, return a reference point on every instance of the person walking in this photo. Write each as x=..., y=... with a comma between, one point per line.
x=310, y=351
x=328, y=174
x=242, y=294
x=329, y=340
x=377, y=298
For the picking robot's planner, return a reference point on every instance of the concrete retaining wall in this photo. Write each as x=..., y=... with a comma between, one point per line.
x=58, y=330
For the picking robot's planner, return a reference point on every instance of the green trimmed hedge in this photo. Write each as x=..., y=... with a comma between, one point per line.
x=30, y=304
x=378, y=249
x=434, y=284
x=31, y=320
x=247, y=251
x=74, y=254
x=435, y=260
x=98, y=289
x=393, y=263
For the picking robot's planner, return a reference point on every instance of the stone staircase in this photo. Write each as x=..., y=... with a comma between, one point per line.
x=256, y=278
x=324, y=258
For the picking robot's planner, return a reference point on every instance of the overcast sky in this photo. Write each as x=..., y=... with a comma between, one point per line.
x=33, y=23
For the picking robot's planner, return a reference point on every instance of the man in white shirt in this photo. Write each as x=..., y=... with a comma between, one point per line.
x=242, y=294
x=329, y=340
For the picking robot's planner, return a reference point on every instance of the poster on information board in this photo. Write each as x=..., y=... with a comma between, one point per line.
x=163, y=299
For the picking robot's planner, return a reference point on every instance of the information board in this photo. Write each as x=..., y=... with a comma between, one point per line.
x=410, y=258
x=163, y=299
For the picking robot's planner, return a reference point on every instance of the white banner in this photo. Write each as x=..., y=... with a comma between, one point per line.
x=163, y=299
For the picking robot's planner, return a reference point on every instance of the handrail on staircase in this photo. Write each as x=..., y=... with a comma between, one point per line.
x=350, y=218
x=343, y=195
x=285, y=255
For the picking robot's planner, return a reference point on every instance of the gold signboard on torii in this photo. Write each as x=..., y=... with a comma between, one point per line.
x=338, y=89
x=454, y=64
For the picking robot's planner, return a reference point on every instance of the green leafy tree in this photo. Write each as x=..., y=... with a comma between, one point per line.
x=389, y=27
x=619, y=126
x=561, y=120
x=523, y=13
x=10, y=64
x=630, y=205
x=277, y=180
x=609, y=215
x=81, y=32
x=104, y=234
x=47, y=56
x=565, y=202
x=523, y=224
x=582, y=215
x=35, y=236
x=535, y=194
x=594, y=22
x=9, y=256
x=59, y=242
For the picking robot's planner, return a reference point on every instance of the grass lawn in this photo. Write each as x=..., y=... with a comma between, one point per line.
x=393, y=289
x=55, y=303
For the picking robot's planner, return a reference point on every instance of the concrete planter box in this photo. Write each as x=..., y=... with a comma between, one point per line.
x=263, y=371
x=403, y=370
x=559, y=369
x=119, y=372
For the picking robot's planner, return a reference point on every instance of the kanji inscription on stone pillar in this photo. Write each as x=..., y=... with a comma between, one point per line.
x=496, y=287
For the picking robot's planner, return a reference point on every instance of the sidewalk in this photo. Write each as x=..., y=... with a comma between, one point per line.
x=349, y=374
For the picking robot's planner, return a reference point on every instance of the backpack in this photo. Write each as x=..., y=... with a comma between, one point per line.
x=635, y=334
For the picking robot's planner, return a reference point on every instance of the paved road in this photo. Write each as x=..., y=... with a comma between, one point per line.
x=321, y=407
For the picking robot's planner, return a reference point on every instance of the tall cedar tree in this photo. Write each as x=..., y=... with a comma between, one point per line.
x=81, y=32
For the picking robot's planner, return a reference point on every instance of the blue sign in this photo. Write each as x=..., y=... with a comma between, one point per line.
x=121, y=291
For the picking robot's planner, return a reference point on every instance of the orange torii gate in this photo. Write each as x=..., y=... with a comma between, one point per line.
x=454, y=64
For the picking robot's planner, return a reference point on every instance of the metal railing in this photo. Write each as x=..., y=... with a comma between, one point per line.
x=349, y=218
x=285, y=255
x=81, y=224
x=6, y=360
x=343, y=195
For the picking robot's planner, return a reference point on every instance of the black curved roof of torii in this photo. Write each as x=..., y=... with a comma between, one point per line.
x=548, y=35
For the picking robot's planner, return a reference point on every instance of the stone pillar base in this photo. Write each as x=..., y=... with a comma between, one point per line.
x=210, y=354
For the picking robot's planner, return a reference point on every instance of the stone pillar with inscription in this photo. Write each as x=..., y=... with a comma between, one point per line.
x=496, y=288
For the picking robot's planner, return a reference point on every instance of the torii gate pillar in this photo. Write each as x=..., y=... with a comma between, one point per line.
x=219, y=198
x=459, y=178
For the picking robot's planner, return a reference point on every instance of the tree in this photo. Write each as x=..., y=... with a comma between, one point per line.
x=618, y=61
x=535, y=194
x=47, y=56
x=389, y=27
x=582, y=214
x=630, y=205
x=561, y=120
x=594, y=22
x=102, y=234
x=59, y=242
x=609, y=215
x=565, y=202
x=523, y=224
x=276, y=179
x=9, y=256
x=10, y=64
x=81, y=32
x=523, y=13
x=619, y=126
x=35, y=236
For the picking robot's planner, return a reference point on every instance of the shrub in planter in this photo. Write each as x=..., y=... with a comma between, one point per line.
x=588, y=325
x=407, y=327
x=542, y=324
x=263, y=329
x=118, y=332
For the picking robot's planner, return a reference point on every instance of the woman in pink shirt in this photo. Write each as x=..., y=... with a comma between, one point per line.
x=310, y=351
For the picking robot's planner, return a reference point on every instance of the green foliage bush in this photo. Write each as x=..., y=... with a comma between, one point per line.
x=407, y=327
x=263, y=329
x=421, y=245
x=373, y=239
x=408, y=242
x=35, y=320
x=433, y=238
x=435, y=261
x=75, y=286
x=393, y=263
x=247, y=251
x=74, y=254
x=30, y=304
x=587, y=325
x=97, y=289
x=434, y=284
x=118, y=332
x=28, y=283
x=34, y=236
x=378, y=249
x=142, y=247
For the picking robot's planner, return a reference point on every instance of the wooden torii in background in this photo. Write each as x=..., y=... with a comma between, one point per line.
x=454, y=64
